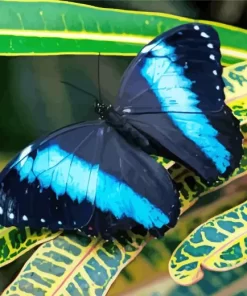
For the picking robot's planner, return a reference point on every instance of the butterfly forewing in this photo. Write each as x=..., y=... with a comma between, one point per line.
x=52, y=183
x=173, y=92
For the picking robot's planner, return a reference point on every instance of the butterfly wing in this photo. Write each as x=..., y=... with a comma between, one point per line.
x=178, y=71
x=87, y=176
x=133, y=190
x=174, y=92
x=52, y=182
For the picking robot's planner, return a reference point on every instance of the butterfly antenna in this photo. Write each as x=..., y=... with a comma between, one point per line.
x=99, y=100
x=78, y=88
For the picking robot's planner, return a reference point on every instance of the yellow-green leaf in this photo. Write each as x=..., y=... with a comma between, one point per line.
x=60, y=27
x=218, y=244
x=15, y=242
x=231, y=256
x=75, y=265
x=154, y=258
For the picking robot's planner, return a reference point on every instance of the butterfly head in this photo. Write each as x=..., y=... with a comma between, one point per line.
x=102, y=109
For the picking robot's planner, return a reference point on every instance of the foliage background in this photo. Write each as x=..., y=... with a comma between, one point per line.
x=33, y=101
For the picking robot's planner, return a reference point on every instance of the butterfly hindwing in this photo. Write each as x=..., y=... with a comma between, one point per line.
x=84, y=172
x=173, y=91
x=135, y=188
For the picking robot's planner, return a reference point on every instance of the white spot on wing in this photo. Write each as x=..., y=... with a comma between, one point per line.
x=1, y=210
x=24, y=218
x=59, y=222
x=212, y=57
x=203, y=34
x=210, y=45
x=215, y=72
x=42, y=220
x=11, y=216
x=196, y=27
x=217, y=87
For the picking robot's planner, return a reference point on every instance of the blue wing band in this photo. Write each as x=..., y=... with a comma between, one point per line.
x=173, y=90
x=67, y=174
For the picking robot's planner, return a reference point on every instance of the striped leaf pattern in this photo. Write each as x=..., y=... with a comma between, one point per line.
x=75, y=265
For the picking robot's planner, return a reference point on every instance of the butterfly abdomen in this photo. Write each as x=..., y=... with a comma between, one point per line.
x=131, y=134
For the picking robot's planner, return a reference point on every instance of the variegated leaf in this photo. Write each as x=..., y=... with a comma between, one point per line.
x=75, y=265
x=15, y=242
x=217, y=239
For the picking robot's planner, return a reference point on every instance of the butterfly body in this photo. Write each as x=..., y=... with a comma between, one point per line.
x=121, y=124
x=99, y=176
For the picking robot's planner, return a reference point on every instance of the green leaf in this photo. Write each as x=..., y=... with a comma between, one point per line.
x=154, y=258
x=220, y=244
x=60, y=27
x=14, y=242
x=75, y=265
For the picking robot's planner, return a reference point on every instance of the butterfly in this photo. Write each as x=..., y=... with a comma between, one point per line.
x=99, y=176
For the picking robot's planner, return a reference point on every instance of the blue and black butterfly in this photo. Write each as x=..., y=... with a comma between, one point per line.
x=99, y=176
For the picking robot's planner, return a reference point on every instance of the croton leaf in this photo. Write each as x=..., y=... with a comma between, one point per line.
x=28, y=28
x=55, y=267
x=76, y=265
x=154, y=258
x=14, y=242
x=220, y=244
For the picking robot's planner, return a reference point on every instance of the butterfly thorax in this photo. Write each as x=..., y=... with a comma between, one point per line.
x=121, y=124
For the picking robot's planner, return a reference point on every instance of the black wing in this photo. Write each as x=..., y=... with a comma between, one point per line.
x=66, y=180
x=174, y=92
x=138, y=192
x=52, y=183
